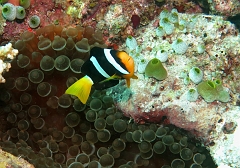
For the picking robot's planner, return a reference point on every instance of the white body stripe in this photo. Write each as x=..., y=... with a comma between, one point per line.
x=112, y=61
x=98, y=67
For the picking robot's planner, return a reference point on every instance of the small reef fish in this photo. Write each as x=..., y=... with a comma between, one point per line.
x=103, y=69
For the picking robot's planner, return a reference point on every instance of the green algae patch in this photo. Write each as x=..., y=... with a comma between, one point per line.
x=155, y=69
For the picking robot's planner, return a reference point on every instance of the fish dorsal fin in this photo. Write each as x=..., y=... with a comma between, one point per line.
x=81, y=88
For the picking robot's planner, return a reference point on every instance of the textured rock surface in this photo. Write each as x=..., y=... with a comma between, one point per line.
x=149, y=100
x=8, y=160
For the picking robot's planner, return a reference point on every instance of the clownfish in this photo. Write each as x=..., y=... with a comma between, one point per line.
x=103, y=69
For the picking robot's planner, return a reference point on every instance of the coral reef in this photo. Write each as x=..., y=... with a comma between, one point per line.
x=59, y=131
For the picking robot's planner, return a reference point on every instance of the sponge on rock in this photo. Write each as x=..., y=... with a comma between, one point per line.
x=21, y=13
x=196, y=75
x=9, y=11
x=207, y=89
x=155, y=69
x=179, y=46
x=223, y=94
x=34, y=21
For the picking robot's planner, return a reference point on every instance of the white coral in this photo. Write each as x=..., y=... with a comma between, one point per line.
x=6, y=52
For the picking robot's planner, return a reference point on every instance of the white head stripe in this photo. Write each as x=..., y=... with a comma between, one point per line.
x=112, y=61
x=98, y=67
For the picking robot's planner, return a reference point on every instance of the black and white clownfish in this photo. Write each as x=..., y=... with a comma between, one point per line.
x=103, y=69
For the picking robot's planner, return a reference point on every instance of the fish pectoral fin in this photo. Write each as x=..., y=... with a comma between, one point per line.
x=134, y=77
x=81, y=89
x=114, y=77
x=128, y=82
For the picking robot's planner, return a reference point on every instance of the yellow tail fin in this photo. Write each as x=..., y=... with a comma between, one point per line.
x=81, y=89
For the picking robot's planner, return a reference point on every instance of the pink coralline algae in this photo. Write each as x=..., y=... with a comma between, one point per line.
x=91, y=15
x=225, y=7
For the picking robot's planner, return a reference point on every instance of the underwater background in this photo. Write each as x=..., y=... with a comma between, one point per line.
x=181, y=112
